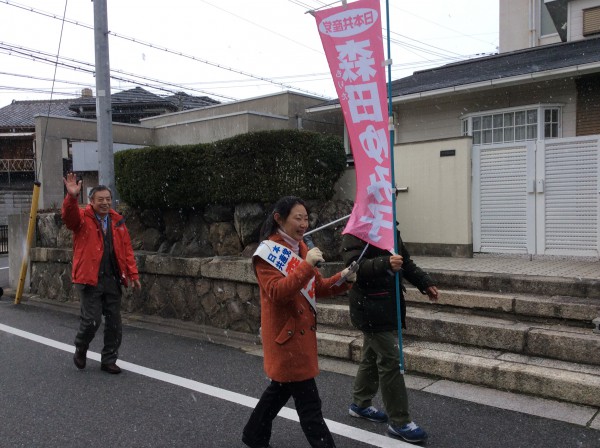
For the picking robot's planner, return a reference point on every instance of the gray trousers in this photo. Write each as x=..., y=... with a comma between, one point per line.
x=380, y=366
x=95, y=301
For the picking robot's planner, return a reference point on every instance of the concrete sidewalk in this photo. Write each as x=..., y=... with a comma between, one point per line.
x=547, y=266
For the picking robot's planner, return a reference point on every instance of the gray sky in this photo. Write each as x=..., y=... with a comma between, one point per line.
x=266, y=39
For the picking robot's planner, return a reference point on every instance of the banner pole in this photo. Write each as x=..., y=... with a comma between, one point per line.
x=393, y=181
x=327, y=225
x=30, y=233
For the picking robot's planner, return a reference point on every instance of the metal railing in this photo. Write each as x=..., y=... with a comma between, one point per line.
x=17, y=165
x=3, y=239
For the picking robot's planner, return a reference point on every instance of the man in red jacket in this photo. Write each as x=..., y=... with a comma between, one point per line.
x=102, y=260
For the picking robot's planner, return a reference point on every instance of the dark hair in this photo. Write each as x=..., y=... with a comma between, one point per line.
x=98, y=188
x=283, y=207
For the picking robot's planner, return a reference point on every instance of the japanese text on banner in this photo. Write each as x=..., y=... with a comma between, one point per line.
x=352, y=39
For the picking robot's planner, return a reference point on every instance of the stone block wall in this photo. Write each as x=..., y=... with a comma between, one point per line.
x=194, y=266
x=217, y=230
x=220, y=292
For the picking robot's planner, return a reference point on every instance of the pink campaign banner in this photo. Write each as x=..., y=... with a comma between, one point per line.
x=353, y=43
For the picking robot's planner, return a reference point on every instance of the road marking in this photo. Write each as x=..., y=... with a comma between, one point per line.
x=340, y=429
x=3, y=268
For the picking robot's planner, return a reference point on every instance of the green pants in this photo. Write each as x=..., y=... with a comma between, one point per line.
x=380, y=365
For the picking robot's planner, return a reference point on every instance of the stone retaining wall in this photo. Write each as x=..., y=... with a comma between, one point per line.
x=219, y=292
x=216, y=230
x=197, y=269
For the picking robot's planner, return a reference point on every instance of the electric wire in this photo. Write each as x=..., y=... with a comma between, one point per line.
x=450, y=56
x=405, y=45
x=167, y=50
x=90, y=68
x=262, y=27
x=412, y=48
x=39, y=165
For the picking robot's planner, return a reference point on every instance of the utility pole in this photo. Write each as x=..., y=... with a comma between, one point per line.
x=106, y=164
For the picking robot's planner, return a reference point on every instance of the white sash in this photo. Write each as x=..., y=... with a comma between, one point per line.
x=285, y=261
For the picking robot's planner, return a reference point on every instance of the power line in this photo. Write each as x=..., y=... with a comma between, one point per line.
x=449, y=55
x=39, y=78
x=262, y=27
x=62, y=27
x=442, y=26
x=90, y=68
x=407, y=46
x=167, y=50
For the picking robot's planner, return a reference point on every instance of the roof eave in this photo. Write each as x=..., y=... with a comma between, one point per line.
x=545, y=75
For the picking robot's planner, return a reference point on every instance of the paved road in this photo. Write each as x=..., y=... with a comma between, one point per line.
x=177, y=392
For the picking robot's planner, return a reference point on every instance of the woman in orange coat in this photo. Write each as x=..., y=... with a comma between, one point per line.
x=289, y=282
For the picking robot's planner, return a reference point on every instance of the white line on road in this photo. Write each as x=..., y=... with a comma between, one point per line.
x=341, y=429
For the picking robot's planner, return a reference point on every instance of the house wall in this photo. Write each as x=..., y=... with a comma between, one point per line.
x=576, y=7
x=588, y=107
x=280, y=111
x=49, y=154
x=210, y=129
x=514, y=25
x=520, y=25
x=441, y=117
x=438, y=187
x=435, y=213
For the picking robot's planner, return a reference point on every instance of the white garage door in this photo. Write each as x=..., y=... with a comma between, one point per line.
x=501, y=205
x=537, y=197
x=568, y=203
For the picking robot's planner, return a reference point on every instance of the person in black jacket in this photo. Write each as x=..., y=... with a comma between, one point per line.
x=373, y=310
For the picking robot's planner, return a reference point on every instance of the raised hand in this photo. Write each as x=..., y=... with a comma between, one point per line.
x=72, y=185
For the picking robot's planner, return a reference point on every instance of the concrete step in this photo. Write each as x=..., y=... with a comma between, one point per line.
x=549, y=341
x=528, y=344
x=498, y=369
x=556, y=341
x=517, y=284
x=505, y=282
x=506, y=371
x=576, y=309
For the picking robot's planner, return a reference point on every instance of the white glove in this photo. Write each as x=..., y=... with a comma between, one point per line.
x=314, y=256
x=350, y=276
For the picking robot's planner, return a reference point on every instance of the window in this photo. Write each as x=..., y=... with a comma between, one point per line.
x=591, y=21
x=546, y=23
x=551, y=123
x=513, y=125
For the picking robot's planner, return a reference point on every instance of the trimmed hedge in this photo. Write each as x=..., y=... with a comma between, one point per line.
x=254, y=167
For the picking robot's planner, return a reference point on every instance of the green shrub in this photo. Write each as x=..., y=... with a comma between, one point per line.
x=254, y=167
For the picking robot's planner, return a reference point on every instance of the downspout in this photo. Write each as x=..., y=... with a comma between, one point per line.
x=532, y=30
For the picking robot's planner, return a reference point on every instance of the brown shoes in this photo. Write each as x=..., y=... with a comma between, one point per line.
x=79, y=358
x=110, y=368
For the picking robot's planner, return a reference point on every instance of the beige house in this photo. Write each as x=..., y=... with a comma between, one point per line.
x=501, y=154
x=75, y=138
